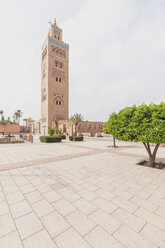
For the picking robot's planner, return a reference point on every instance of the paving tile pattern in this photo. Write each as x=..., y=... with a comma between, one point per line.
x=102, y=200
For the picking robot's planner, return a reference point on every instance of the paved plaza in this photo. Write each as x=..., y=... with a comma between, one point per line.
x=80, y=195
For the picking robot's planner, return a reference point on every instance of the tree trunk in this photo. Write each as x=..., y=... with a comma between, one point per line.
x=152, y=156
x=114, y=142
x=151, y=161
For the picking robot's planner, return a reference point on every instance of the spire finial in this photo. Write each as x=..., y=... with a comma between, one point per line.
x=55, y=21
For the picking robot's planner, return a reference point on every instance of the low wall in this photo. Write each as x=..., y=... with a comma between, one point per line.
x=9, y=128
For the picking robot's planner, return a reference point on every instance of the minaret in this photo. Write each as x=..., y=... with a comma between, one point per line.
x=54, y=78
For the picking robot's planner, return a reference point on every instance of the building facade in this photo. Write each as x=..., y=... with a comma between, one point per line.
x=89, y=128
x=33, y=126
x=54, y=79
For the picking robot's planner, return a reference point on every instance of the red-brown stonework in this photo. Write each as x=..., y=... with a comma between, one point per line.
x=9, y=128
x=54, y=79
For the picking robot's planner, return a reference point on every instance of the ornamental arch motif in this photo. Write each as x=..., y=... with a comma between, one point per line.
x=58, y=101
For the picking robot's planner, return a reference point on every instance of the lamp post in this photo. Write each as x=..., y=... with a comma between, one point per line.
x=75, y=124
x=44, y=129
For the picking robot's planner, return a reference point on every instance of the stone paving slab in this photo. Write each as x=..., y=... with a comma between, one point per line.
x=8, y=166
x=24, y=155
x=100, y=200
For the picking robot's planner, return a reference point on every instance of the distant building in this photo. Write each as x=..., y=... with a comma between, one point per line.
x=90, y=128
x=55, y=87
x=33, y=126
x=25, y=129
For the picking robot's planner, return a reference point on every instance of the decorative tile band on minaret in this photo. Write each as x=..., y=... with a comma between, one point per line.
x=58, y=44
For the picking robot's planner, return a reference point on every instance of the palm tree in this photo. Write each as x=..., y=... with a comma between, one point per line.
x=14, y=117
x=1, y=113
x=17, y=115
x=77, y=117
x=25, y=120
x=20, y=113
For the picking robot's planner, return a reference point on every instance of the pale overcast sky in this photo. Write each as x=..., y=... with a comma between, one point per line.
x=117, y=53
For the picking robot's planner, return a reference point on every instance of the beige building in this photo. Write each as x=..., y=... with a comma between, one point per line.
x=89, y=128
x=54, y=78
x=55, y=88
x=33, y=126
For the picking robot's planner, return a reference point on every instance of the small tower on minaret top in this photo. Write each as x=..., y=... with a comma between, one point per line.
x=54, y=78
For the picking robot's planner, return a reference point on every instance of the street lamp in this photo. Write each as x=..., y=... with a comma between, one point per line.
x=44, y=129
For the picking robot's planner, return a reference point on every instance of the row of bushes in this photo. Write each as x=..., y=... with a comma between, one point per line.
x=76, y=138
x=63, y=136
x=58, y=138
x=50, y=139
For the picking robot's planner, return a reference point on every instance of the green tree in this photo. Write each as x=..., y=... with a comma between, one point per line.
x=140, y=123
x=77, y=117
x=105, y=130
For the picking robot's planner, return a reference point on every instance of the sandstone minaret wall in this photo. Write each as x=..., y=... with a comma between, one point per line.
x=54, y=79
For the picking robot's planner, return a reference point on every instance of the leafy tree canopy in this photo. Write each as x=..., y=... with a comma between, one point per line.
x=139, y=123
x=145, y=123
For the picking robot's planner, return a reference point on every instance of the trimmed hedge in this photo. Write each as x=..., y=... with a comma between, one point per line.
x=50, y=139
x=63, y=136
x=76, y=138
x=42, y=138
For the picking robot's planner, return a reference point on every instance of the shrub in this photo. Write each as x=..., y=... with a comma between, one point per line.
x=51, y=131
x=63, y=136
x=76, y=138
x=60, y=132
x=50, y=139
x=42, y=138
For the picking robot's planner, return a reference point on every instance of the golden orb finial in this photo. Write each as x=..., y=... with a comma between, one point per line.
x=55, y=21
